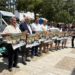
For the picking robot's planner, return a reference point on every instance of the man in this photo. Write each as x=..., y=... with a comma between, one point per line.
x=36, y=27
x=73, y=35
x=25, y=27
x=12, y=54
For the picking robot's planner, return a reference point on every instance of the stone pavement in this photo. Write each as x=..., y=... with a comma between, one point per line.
x=61, y=62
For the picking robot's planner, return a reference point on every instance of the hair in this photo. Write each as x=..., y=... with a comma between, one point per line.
x=11, y=19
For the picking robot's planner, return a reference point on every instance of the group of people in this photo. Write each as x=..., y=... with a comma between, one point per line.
x=24, y=26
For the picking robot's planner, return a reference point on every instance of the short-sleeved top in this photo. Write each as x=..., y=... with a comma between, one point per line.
x=36, y=27
x=11, y=29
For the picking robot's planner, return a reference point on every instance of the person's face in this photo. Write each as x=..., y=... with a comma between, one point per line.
x=45, y=22
x=37, y=21
x=14, y=21
x=27, y=20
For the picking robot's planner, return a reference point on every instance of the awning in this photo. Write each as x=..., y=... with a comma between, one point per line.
x=5, y=13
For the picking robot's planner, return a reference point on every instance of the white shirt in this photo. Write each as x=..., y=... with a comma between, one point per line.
x=11, y=29
x=36, y=27
x=29, y=28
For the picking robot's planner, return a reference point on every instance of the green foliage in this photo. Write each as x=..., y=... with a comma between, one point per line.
x=29, y=5
x=22, y=5
x=35, y=5
x=53, y=10
x=70, y=6
x=59, y=10
x=2, y=4
x=63, y=16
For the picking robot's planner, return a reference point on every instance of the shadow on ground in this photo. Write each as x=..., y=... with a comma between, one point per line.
x=3, y=65
x=73, y=72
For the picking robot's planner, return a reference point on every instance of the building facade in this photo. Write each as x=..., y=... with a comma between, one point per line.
x=11, y=5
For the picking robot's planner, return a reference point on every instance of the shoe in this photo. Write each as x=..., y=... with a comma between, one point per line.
x=28, y=60
x=15, y=66
x=66, y=47
x=36, y=54
x=32, y=56
x=24, y=63
x=72, y=47
x=10, y=69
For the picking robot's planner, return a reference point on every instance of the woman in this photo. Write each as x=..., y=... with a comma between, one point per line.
x=12, y=54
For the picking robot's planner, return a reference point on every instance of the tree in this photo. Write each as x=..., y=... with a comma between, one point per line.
x=58, y=10
x=48, y=9
x=53, y=10
x=22, y=5
x=63, y=16
x=29, y=5
x=70, y=6
x=36, y=6
x=51, y=7
x=3, y=4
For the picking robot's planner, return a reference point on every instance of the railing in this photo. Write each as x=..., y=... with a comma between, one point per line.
x=41, y=38
x=4, y=21
x=3, y=24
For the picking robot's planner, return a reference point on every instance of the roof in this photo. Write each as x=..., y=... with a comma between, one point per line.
x=6, y=13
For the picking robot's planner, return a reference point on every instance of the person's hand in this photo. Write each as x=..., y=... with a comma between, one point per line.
x=5, y=34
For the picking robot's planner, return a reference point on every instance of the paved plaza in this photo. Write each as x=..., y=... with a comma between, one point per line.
x=61, y=62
